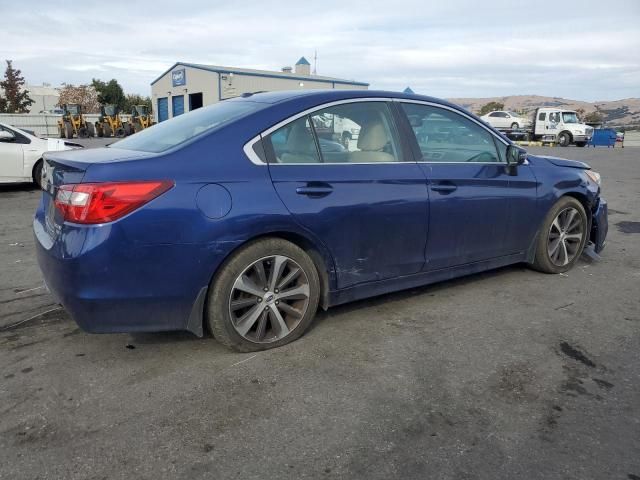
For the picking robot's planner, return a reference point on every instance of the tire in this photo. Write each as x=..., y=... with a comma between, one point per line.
x=564, y=214
x=99, y=129
x=107, y=130
x=564, y=139
x=83, y=132
x=514, y=126
x=37, y=174
x=228, y=304
x=91, y=129
x=580, y=144
x=68, y=130
x=120, y=133
x=128, y=130
x=60, y=131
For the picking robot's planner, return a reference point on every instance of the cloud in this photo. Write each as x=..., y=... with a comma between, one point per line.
x=449, y=49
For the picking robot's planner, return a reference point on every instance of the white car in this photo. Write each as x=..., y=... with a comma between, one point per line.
x=21, y=154
x=504, y=119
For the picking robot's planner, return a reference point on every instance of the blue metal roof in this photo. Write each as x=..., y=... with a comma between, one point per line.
x=262, y=73
x=303, y=61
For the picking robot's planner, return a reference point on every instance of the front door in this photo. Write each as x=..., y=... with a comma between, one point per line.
x=469, y=187
x=367, y=202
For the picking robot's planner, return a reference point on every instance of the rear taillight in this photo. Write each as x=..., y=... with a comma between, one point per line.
x=106, y=202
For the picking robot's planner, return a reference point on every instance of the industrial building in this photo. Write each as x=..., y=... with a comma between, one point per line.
x=187, y=86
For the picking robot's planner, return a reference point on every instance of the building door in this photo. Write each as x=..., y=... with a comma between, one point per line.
x=195, y=101
x=163, y=109
x=177, y=105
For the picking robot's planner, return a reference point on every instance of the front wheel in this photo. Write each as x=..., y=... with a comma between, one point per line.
x=564, y=139
x=265, y=296
x=514, y=126
x=562, y=237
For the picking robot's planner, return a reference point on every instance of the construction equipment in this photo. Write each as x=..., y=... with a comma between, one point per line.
x=73, y=123
x=140, y=119
x=109, y=123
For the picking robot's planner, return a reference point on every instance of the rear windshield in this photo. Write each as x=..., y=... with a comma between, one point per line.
x=171, y=133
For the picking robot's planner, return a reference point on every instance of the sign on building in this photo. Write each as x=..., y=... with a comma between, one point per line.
x=178, y=78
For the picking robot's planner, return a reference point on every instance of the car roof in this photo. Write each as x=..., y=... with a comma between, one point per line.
x=325, y=96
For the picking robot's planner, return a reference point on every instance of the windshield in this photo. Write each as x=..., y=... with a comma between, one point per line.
x=570, y=117
x=171, y=133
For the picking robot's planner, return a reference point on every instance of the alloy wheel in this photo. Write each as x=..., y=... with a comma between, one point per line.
x=565, y=237
x=269, y=299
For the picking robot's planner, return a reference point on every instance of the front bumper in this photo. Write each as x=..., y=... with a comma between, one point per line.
x=599, y=225
x=581, y=138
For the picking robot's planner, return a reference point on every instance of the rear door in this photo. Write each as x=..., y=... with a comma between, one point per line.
x=367, y=202
x=470, y=189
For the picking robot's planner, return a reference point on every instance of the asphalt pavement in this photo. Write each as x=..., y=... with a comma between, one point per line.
x=502, y=375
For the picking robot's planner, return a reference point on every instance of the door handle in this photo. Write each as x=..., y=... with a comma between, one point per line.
x=444, y=188
x=315, y=190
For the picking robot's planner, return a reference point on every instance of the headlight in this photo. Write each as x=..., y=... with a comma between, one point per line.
x=594, y=176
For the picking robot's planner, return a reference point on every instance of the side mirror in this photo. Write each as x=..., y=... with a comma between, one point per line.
x=6, y=136
x=515, y=156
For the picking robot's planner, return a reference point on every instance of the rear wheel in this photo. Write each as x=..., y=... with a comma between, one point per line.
x=37, y=173
x=60, y=131
x=99, y=129
x=562, y=237
x=120, y=133
x=107, y=130
x=83, y=132
x=128, y=130
x=91, y=130
x=564, y=139
x=265, y=296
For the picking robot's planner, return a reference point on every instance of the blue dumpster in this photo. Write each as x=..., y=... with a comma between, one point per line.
x=603, y=137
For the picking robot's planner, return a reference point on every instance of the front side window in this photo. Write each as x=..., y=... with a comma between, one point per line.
x=446, y=136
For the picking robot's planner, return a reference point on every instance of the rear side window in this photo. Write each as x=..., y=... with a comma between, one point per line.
x=359, y=132
x=542, y=116
x=171, y=133
x=446, y=136
x=294, y=143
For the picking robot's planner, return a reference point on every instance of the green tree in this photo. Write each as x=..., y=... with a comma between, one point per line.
x=109, y=92
x=490, y=107
x=16, y=97
x=135, y=99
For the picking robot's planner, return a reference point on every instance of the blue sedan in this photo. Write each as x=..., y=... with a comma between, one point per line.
x=244, y=217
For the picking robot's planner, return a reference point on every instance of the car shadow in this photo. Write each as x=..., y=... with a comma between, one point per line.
x=414, y=292
x=18, y=187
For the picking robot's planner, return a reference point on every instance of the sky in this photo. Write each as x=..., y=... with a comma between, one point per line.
x=583, y=49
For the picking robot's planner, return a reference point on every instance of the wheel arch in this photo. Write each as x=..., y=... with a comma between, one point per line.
x=33, y=170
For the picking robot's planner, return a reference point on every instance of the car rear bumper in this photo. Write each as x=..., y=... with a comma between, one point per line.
x=109, y=284
x=599, y=225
